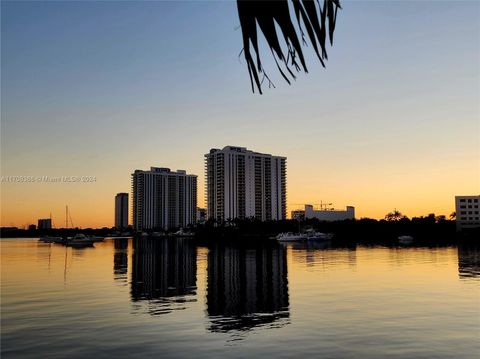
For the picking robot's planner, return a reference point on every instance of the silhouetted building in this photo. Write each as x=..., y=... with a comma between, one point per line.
x=467, y=211
x=243, y=184
x=121, y=210
x=32, y=227
x=246, y=287
x=8, y=229
x=164, y=273
x=44, y=223
x=329, y=214
x=163, y=199
x=201, y=215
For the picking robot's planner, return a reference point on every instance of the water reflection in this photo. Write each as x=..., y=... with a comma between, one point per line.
x=413, y=302
x=468, y=262
x=323, y=255
x=163, y=274
x=246, y=288
x=120, y=259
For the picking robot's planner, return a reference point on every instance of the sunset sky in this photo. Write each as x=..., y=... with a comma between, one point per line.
x=104, y=88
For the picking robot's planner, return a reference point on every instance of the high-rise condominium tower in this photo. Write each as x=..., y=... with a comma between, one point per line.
x=121, y=210
x=163, y=199
x=243, y=184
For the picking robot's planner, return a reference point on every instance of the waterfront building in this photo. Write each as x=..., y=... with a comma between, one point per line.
x=163, y=199
x=323, y=214
x=298, y=214
x=201, y=215
x=243, y=184
x=32, y=227
x=121, y=210
x=467, y=212
x=45, y=223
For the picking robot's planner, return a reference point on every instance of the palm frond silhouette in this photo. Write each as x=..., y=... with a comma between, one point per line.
x=314, y=21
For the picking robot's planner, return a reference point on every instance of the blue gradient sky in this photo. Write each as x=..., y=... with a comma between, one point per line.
x=103, y=88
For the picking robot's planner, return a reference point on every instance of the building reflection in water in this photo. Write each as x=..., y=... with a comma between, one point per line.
x=246, y=288
x=120, y=259
x=163, y=274
x=468, y=262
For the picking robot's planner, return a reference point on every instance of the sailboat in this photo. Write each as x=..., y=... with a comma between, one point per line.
x=78, y=240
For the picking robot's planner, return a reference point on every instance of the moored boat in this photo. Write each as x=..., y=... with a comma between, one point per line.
x=318, y=236
x=290, y=237
x=405, y=240
x=181, y=233
x=158, y=234
x=79, y=240
x=96, y=238
x=49, y=239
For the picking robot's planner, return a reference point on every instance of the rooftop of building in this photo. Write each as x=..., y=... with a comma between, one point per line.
x=239, y=149
x=165, y=170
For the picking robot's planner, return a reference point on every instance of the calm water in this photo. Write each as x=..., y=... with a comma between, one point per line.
x=169, y=298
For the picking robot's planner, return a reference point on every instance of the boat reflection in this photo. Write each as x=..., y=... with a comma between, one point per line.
x=246, y=288
x=163, y=274
x=468, y=262
x=322, y=255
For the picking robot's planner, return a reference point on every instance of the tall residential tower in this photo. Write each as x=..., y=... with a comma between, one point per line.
x=242, y=184
x=163, y=199
x=121, y=210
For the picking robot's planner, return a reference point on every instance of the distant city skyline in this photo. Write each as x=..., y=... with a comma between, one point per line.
x=102, y=88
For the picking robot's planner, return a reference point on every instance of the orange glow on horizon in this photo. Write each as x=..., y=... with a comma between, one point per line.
x=92, y=205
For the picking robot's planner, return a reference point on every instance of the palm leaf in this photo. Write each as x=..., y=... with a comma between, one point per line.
x=267, y=15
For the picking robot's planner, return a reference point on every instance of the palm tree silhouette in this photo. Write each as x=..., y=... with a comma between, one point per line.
x=394, y=216
x=310, y=15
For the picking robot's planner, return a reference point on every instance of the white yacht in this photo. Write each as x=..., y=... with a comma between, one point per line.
x=79, y=240
x=318, y=236
x=405, y=240
x=181, y=233
x=290, y=237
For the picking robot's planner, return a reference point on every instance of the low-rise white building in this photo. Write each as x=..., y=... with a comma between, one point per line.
x=467, y=211
x=324, y=214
